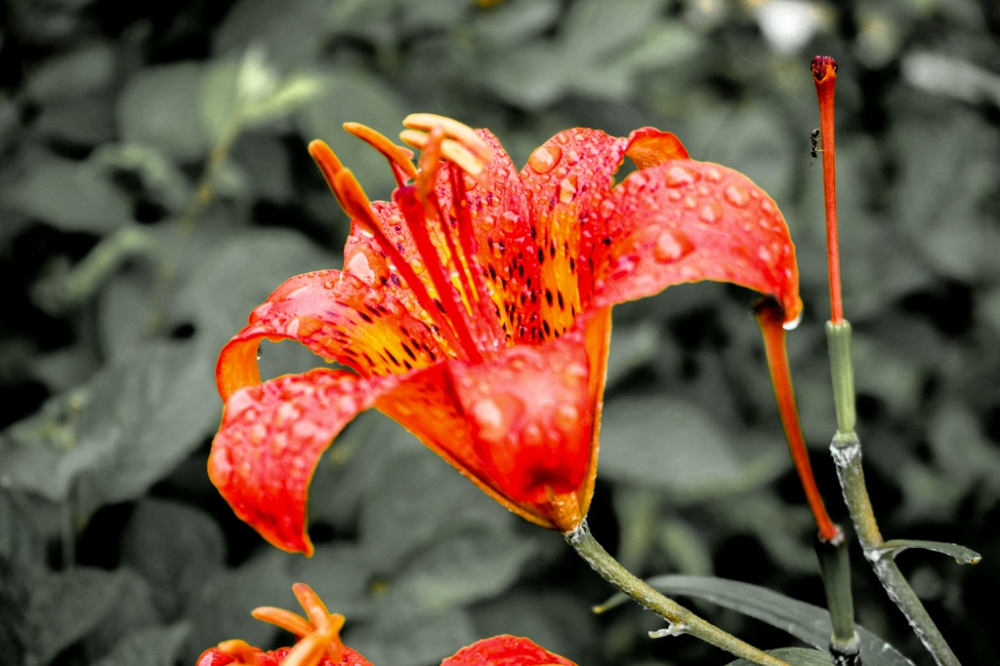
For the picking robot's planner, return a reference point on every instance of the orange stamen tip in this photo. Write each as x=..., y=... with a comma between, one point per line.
x=452, y=151
x=312, y=604
x=396, y=155
x=239, y=650
x=324, y=156
x=287, y=620
x=461, y=132
x=824, y=68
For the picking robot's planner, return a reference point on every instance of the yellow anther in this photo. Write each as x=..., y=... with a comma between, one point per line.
x=287, y=620
x=239, y=650
x=397, y=155
x=461, y=132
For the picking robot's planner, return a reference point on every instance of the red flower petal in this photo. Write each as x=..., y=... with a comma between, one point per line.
x=505, y=651
x=271, y=439
x=523, y=425
x=338, y=317
x=569, y=179
x=213, y=657
x=685, y=221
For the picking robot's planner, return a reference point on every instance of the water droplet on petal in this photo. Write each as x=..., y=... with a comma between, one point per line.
x=508, y=221
x=674, y=195
x=713, y=175
x=690, y=203
x=793, y=324
x=574, y=374
x=470, y=182
x=532, y=434
x=494, y=416
x=703, y=190
x=764, y=254
x=767, y=206
x=567, y=189
x=671, y=245
x=573, y=157
x=486, y=223
x=678, y=176
x=710, y=213
x=567, y=416
x=359, y=267
x=736, y=195
x=258, y=433
x=545, y=158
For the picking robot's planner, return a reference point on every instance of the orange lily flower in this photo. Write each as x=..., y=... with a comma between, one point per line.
x=319, y=644
x=475, y=310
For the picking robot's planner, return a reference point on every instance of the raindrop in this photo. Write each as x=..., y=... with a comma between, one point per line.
x=567, y=190
x=258, y=433
x=567, y=417
x=703, y=190
x=690, y=203
x=710, y=213
x=793, y=324
x=573, y=157
x=574, y=374
x=532, y=434
x=767, y=206
x=736, y=195
x=508, y=221
x=671, y=245
x=764, y=254
x=544, y=158
x=678, y=176
x=674, y=195
x=487, y=223
x=713, y=175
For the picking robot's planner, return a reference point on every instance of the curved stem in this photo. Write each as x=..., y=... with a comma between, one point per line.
x=680, y=619
x=824, y=69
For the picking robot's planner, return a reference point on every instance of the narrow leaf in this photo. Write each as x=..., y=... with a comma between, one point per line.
x=961, y=554
x=808, y=623
x=794, y=657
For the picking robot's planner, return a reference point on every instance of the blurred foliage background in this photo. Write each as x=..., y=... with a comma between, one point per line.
x=154, y=187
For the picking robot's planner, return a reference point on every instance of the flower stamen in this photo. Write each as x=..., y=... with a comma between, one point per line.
x=453, y=151
x=241, y=651
x=398, y=157
x=355, y=203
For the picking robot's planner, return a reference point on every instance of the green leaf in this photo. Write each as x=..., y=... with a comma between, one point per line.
x=154, y=646
x=341, y=574
x=515, y=21
x=159, y=108
x=808, y=623
x=961, y=554
x=72, y=75
x=133, y=610
x=177, y=548
x=161, y=178
x=556, y=620
x=289, y=32
x=355, y=97
x=220, y=610
x=237, y=275
x=109, y=441
x=672, y=444
x=418, y=500
x=64, y=607
x=412, y=642
x=458, y=570
x=794, y=657
x=74, y=196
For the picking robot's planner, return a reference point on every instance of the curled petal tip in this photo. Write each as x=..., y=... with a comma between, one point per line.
x=239, y=650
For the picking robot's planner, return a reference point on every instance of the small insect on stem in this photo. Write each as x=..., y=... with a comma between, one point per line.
x=814, y=148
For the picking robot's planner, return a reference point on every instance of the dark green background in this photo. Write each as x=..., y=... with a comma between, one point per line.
x=117, y=294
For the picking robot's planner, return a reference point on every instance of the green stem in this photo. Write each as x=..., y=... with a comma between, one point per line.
x=845, y=646
x=680, y=619
x=846, y=452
